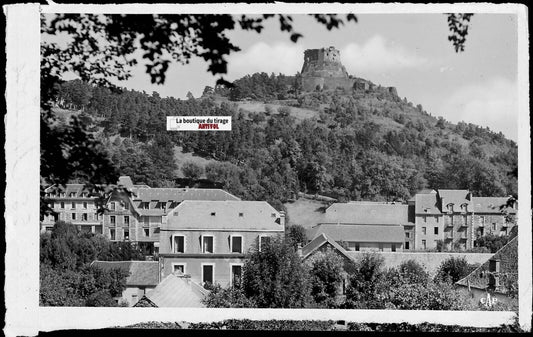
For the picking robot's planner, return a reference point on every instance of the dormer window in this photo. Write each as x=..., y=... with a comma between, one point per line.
x=450, y=208
x=62, y=194
x=84, y=194
x=72, y=194
x=213, y=213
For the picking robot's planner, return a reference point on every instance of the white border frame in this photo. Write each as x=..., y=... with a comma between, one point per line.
x=22, y=150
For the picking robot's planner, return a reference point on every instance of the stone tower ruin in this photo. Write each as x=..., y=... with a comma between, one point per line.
x=323, y=69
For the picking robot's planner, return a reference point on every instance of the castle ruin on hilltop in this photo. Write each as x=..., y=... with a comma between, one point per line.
x=323, y=70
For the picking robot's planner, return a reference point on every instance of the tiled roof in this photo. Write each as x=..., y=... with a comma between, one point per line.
x=318, y=242
x=490, y=204
x=78, y=189
x=367, y=213
x=360, y=233
x=180, y=194
x=177, y=291
x=456, y=197
x=426, y=204
x=223, y=215
x=508, y=256
x=142, y=273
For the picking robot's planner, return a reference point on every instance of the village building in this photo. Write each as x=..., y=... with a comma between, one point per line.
x=208, y=240
x=138, y=213
x=496, y=280
x=364, y=226
x=143, y=276
x=72, y=203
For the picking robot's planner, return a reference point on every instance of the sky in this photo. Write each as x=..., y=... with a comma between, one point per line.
x=408, y=51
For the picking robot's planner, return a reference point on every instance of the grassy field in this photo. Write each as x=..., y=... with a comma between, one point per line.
x=181, y=157
x=299, y=113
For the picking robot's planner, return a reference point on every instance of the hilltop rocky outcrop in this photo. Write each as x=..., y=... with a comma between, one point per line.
x=323, y=70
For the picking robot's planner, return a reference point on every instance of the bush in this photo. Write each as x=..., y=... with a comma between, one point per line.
x=192, y=170
x=453, y=269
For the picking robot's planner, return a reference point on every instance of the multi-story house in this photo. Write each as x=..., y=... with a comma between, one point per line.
x=488, y=217
x=72, y=203
x=137, y=213
x=208, y=240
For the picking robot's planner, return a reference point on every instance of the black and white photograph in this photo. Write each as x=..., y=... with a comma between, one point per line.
x=226, y=159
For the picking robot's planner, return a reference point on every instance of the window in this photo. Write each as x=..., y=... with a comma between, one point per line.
x=208, y=277
x=84, y=194
x=424, y=230
x=436, y=230
x=85, y=205
x=175, y=213
x=207, y=244
x=393, y=247
x=126, y=205
x=425, y=218
x=437, y=219
x=407, y=245
x=407, y=235
x=146, y=232
x=357, y=247
x=236, y=275
x=126, y=234
x=380, y=247
x=178, y=267
x=423, y=244
x=72, y=194
x=179, y=244
x=241, y=215
x=236, y=244
x=84, y=217
x=481, y=231
x=263, y=240
x=273, y=215
x=73, y=216
x=62, y=194
x=112, y=219
x=127, y=220
x=112, y=234
x=213, y=213
x=112, y=206
x=493, y=226
x=73, y=205
x=62, y=205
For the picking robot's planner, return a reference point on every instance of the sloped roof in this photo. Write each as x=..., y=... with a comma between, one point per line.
x=360, y=233
x=456, y=197
x=180, y=194
x=198, y=214
x=142, y=273
x=177, y=291
x=508, y=256
x=78, y=189
x=318, y=242
x=367, y=213
x=490, y=204
x=426, y=204
x=125, y=181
